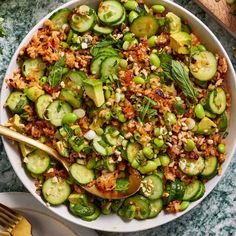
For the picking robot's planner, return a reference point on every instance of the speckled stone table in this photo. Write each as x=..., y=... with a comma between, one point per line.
x=216, y=215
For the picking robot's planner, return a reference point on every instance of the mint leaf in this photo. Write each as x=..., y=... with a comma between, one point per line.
x=122, y=184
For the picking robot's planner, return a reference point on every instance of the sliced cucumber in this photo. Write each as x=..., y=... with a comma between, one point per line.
x=120, y=21
x=96, y=63
x=107, y=51
x=192, y=166
x=200, y=193
x=100, y=149
x=75, y=77
x=92, y=217
x=16, y=102
x=56, y=111
x=210, y=169
x=132, y=151
x=81, y=174
x=192, y=190
x=56, y=190
x=223, y=124
x=41, y=105
x=144, y=26
x=155, y=207
x=102, y=29
x=152, y=187
x=69, y=96
x=109, y=67
x=217, y=101
x=203, y=65
x=25, y=149
x=83, y=22
x=179, y=189
x=60, y=18
x=37, y=162
x=33, y=68
x=110, y=11
x=113, y=141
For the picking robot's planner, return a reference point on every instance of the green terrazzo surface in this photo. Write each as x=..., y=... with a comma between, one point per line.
x=216, y=215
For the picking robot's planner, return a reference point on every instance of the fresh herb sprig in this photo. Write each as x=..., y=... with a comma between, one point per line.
x=147, y=110
x=178, y=73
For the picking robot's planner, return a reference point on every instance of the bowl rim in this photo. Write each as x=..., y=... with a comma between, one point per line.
x=126, y=227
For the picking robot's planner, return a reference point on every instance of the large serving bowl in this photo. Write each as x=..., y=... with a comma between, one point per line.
x=113, y=222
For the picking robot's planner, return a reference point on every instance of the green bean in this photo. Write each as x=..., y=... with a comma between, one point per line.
x=158, y=8
x=199, y=111
x=148, y=152
x=221, y=148
x=170, y=118
x=138, y=80
x=184, y=205
x=126, y=45
x=132, y=16
x=158, y=143
x=69, y=118
x=130, y=5
x=152, y=41
x=128, y=37
x=157, y=132
x=155, y=60
x=165, y=160
x=189, y=145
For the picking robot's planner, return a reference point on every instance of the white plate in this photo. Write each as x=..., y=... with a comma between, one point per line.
x=44, y=222
x=114, y=223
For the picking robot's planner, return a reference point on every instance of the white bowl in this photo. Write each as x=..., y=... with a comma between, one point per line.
x=112, y=222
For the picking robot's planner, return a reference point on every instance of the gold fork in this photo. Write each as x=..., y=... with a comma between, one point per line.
x=13, y=223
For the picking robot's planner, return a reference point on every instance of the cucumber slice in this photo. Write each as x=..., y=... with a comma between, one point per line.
x=98, y=147
x=109, y=67
x=83, y=22
x=200, y=193
x=192, y=190
x=25, y=149
x=192, y=166
x=75, y=77
x=56, y=190
x=203, y=66
x=120, y=21
x=144, y=26
x=217, y=101
x=179, y=189
x=60, y=18
x=69, y=96
x=81, y=174
x=34, y=68
x=56, y=111
x=37, y=162
x=16, y=102
x=96, y=64
x=113, y=141
x=210, y=169
x=155, y=207
x=108, y=51
x=152, y=187
x=92, y=217
x=132, y=151
x=110, y=11
x=41, y=105
x=102, y=29
x=223, y=124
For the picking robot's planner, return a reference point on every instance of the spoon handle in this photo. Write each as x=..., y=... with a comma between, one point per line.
x=29, y=141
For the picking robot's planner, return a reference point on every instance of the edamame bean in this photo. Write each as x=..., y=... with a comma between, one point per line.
x=155, y=60
x=138, y=80
x=157, y=132
x=199, y=111
x=221, y=148
x=158, y=143
x=130, y=5
x=170, y=118
x=189, y=145
x=184, y=205
x=165, y=160
x=132, y=16
x=201, y=48
x=148, y=152
x=69, y=118
x=123, y=63
x=121, y=117
x=126, y=45
x=158, y=8
x=152, y=41
x=128, y=37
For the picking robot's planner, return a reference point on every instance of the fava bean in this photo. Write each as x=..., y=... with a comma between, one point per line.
x=199, y=111
x=132, y=16
x=155, y=60
x=69, y=118
x=158, y=8
x=189, y=145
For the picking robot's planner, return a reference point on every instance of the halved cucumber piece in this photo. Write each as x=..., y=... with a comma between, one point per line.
x=81, y=174
x=60, y=18
x=41, y=105
x=152, y=187
x=109, y=67
x=113, y=141
x=200, y=193
x=108, y=51
x=56, y=111
x=132, y=151
x=210, y=169
x=155, y=207
x=120, y=21
x=37, y=162
x=33, y=68
x=192, y=190
x=144, y=26
x=191, y=166
x=102, y=29
x=223, y=124
x=25, y=149
x=69, y=96
x=98, y=146
x=33, y=92
x=16, y=102
x=217, y=101
x=84, y=20
x=92, y=217
x=110, y=11
x=203, y=65
x=56, y=190
x=96, y=63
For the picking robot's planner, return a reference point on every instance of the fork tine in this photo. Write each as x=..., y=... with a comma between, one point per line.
x=5, y=234
x=7, y=218
x=13, y=214
x=4, y=223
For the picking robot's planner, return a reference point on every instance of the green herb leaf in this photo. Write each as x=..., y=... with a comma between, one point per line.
x=95, y=49
x=56, y=73
x=122, y=184
x=177, y=72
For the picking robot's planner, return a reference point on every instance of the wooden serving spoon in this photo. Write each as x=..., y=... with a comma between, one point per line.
x=134, y=177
